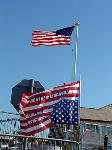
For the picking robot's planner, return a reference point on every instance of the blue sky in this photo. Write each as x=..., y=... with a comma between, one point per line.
x=54, y=65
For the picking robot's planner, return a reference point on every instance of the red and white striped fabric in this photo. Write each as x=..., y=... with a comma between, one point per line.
x=36, y=109
x=49, y=39
x=52, y=38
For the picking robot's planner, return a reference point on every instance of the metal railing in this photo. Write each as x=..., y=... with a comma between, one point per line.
x=20, y=142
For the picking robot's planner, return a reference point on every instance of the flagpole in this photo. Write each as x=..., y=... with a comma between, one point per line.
x=80, y=93
x=76, y=48
x=75, y=67
x=32, y=81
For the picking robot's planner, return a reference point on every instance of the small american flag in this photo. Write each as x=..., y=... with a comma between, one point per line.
x=40, y=110
x=52, y=38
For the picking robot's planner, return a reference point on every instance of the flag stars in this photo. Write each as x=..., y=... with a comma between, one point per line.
x=66, y=112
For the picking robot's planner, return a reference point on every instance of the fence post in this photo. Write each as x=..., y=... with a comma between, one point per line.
x=25, y=139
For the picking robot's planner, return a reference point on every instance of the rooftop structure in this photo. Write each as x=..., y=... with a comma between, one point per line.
x=103, y=114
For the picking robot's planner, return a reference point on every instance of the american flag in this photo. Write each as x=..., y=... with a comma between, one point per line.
x=52, y=38
x=40, y=111
x=66, y=112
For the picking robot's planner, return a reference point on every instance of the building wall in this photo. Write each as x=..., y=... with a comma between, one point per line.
x=92, y=133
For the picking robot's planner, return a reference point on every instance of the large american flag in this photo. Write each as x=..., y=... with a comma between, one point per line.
x=52, y=38
x=40, y=111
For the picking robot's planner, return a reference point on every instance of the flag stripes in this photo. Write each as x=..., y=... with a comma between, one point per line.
x=36, y=109
x=52, y=38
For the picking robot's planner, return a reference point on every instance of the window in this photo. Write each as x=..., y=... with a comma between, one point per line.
x=92, y=128
x=109, y=130
x=89, y=128
x=97, y=129
x=104, y=130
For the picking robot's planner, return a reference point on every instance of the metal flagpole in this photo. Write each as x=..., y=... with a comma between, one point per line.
x=31, y=90
x=76, y=48
x=79, y=114
x=74, y=73
x=75, y=62
x=75, y=53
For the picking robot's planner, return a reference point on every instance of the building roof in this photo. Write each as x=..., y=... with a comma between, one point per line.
x=103, y=114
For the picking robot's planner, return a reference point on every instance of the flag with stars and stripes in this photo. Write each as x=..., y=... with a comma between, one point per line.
x=52, y=38
x=39, y=111
x=66, y=112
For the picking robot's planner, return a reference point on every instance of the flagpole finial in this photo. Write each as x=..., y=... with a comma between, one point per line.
x=77, y=23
